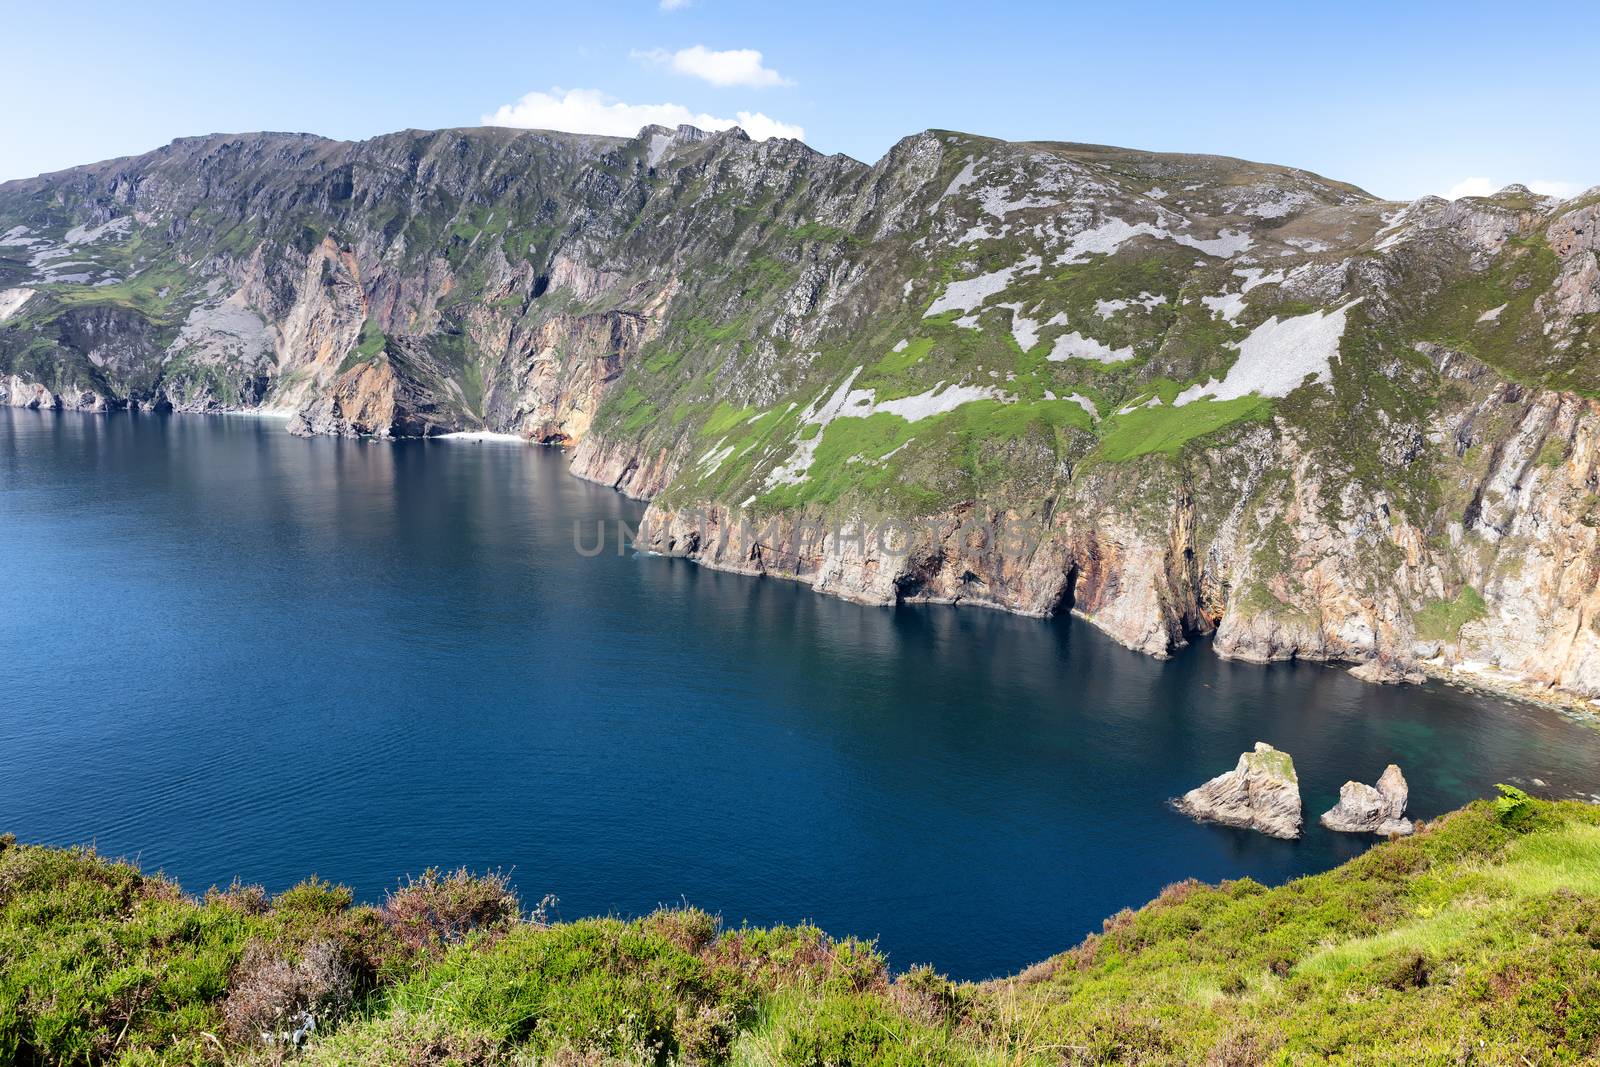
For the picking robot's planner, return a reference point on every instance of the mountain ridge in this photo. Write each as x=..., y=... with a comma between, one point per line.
x=698, y=133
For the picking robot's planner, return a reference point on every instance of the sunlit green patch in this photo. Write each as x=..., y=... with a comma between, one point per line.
x=1165, y=429
x=896, y=362
x=1442, y=620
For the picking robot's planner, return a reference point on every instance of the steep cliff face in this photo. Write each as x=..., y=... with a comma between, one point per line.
x=1178, y=395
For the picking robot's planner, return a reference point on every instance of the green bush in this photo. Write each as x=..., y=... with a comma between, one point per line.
x=1512, y=806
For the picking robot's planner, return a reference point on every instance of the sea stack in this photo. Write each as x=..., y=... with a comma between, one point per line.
x=1365, y=810
x=1261, y=793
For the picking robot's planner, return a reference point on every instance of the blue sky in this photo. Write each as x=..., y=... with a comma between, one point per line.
x=1400, y=98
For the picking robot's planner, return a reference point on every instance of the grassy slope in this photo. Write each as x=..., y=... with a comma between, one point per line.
x=1477, y=941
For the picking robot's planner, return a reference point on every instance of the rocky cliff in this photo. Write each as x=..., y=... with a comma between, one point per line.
x=1178, y=395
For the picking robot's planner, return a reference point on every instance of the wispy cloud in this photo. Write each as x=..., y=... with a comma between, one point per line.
x=734, y=66
x=592, y=111
x=1488, y=187
x=676, y=5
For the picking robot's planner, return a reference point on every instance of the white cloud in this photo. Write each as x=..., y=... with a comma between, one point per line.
x=1471, y=187
x=735, y=66
x=760, y=127
x=1487, y=187
x=676, y=5
x=592, y=111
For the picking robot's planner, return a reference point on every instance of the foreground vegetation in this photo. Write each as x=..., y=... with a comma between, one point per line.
x=1476, y=941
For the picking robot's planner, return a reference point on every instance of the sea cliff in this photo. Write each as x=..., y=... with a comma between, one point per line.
x=1221, y=398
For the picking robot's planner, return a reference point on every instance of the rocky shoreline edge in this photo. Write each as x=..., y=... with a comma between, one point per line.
x=638, y=484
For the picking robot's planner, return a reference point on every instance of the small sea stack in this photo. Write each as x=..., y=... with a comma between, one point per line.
x=1262, y=793
x=1363, y=809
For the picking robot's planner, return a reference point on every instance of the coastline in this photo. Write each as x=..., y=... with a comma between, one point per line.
x=1468, y=674
x=1508, y=685
x=1481, y=677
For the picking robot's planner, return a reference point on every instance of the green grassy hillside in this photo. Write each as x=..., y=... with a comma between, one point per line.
x=1476, y=941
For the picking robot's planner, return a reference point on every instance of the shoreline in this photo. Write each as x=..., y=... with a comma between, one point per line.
x=1476, y=676
x=1508, y=685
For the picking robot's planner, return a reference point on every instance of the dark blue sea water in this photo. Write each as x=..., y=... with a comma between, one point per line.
x=228, y=652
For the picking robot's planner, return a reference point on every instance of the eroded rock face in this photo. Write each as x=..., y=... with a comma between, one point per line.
x=20, y=394
x=555, y=376
x=1363, y=809
x=12, y=300
x=1262, y=793
x=622, y=467
x=17, y=393
x=380, y=397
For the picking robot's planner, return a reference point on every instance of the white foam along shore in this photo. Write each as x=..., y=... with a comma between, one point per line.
x=261, y=413
x=482, y=435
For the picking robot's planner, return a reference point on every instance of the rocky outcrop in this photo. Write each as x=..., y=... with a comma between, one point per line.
x=319, y=307
x=17, y=393
x=1363, y=809
x=11, y=301
x=555, y=375
x=621, y=466
x=386, y=396
x=1262, y=793
x=1386, y=670
x=1106, y=572
x=358, y=403
x=950, y=558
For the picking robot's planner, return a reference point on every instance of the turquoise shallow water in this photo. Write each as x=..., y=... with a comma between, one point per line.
x=232, y=652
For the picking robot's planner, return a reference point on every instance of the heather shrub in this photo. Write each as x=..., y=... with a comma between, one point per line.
x=1081, y=957
x=99, y=960
x=276, y=1000
x=313, y=898
x=705, y=1033
x=1241, y=1048
x=245, y=899
x=837, y=1029
x=600, y=984
x=927, y=996
x=857, y=966
x=801, y=956
x=407, y=1039
x=442, y=909
x=690, y=929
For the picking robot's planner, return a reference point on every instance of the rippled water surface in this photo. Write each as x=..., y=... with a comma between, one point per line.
x=231, y=652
